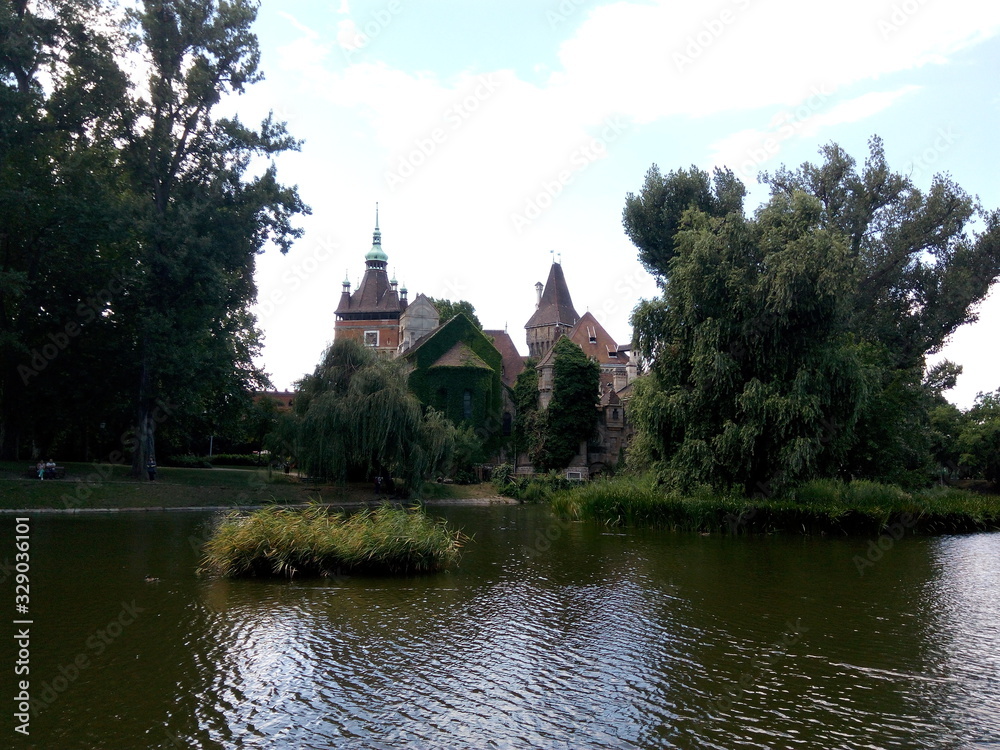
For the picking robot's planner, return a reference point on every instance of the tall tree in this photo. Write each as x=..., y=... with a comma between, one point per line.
x=203, y=214
x=792, y=344
x=355, y=416
x=63, y=109
x=653, y=217
x=571, y=415
x=979, y=440
x=448, y=310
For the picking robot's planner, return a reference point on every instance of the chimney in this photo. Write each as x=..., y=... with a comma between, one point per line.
x=538, y=291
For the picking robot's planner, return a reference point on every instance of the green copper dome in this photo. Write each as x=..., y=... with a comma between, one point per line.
x=377, y=253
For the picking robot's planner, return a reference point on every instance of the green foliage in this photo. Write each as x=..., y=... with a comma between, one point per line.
x=979, y=439
x=503, y=478
x=132, y=216
x=63, y=110
x=445, y=388
x=188, y=462
x=470, y=451
x=653, y=218
x=286, y=542
x=819, y=506
x=785, y=346
x=571, y=415
x=525, y=427
x=534, y=489
x=448, y=310
x=356, y=414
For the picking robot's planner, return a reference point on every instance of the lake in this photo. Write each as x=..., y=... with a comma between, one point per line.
x=548, y=635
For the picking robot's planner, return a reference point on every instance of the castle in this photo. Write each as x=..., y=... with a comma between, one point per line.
x=469, y=374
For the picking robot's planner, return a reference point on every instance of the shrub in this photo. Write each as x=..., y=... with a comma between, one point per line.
x=312, y=541
x=188, y=462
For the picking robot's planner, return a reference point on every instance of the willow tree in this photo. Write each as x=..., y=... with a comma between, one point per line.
x=792, y=344
x=355, y=415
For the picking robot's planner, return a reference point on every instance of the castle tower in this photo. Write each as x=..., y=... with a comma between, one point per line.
x=554, y=315
x=371, y=314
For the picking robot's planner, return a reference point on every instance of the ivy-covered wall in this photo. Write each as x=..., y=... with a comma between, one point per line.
x=444, y=388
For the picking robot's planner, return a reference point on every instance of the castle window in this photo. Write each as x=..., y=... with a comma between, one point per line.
x=371, y=338
x=467, y=404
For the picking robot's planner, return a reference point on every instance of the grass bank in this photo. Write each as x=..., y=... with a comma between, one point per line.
x=93, y=485
x=823, y=506
x=313, y=541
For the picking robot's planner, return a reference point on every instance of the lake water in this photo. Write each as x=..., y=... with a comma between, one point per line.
x=548, y=635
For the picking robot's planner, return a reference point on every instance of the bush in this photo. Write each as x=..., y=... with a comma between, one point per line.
x=820, y=506
x=238, y=459
x=538, y=488
x=187, y=462
x=312, y=541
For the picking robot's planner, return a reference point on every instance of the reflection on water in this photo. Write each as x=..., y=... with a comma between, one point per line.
x=549, y=635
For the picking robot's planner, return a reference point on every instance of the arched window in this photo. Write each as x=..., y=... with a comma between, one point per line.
x=467, y=404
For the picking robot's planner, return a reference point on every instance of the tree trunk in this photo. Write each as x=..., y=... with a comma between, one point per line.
x=143, y=450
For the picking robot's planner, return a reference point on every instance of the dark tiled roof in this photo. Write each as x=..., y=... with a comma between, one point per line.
x=556, y=305
x=513, y=362
x=460, y=355
x=609, y=397
x=374, y=295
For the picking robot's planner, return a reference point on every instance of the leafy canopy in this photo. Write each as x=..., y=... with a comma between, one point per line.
x=448, y=310
x=571, y=415
x=355, y=416
x=791, y=344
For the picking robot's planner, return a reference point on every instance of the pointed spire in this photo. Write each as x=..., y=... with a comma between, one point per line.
x=376, y=254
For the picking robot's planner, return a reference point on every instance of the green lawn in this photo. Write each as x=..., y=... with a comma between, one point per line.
x=89, y=485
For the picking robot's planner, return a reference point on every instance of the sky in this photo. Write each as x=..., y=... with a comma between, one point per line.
x=498, y=137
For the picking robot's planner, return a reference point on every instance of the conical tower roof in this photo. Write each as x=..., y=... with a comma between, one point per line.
x=556, y=306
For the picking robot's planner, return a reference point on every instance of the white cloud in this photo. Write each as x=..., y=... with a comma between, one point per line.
x=670, y=58
x=747, y=151
x=479, y=147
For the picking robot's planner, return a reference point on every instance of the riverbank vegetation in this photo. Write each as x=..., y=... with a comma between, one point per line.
x=819, y=506
x=287, y=542
x=793, y=344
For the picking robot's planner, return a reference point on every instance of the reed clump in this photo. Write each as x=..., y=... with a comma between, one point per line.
x=286, y=542
x=820, y=506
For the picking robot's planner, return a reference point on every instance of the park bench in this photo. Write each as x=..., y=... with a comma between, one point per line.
x=53, y=472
